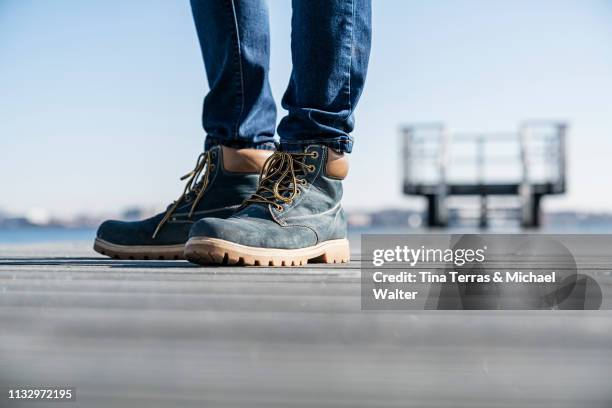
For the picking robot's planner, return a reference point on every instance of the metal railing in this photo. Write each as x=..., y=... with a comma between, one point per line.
x=535, y=154
x=530, y=162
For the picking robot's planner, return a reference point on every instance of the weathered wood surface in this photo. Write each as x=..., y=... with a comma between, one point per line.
x=166, y=334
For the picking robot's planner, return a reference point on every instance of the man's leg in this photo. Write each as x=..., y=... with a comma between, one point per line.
x=330, y=47
x=295, y=216
x=234, y=35
x=239, y=117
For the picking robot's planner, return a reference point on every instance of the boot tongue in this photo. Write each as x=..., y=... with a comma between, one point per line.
x=284, y=178
x=276, y=184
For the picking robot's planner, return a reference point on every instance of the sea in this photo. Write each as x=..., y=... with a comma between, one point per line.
x=34, y=235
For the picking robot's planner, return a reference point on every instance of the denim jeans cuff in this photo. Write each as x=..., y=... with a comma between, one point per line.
x=237, y=144
x=343, y=144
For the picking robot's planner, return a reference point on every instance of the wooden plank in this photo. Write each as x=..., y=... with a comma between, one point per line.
x=159, y=334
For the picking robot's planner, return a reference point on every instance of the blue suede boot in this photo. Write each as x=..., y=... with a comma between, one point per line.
x=222, y=179
x=294, y=216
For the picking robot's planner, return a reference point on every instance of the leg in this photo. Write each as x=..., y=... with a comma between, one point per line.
x=239, y=117
x=330, y=44
x=295, y=216
x=239, y=110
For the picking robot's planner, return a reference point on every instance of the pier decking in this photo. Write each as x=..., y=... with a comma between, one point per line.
x=166, y=334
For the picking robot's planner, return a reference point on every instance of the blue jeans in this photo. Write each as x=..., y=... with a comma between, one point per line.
x=330, y=47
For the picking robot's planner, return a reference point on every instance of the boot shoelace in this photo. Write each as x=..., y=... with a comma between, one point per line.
x=278, y=182
x=195, y=186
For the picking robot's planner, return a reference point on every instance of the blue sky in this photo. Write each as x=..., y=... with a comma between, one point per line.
x=100, y=100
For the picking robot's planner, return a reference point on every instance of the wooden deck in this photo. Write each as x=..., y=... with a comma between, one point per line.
x=169, y=334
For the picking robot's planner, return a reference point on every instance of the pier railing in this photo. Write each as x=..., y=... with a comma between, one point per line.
x=528, y=163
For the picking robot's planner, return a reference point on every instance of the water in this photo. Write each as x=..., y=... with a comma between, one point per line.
x=35, y=235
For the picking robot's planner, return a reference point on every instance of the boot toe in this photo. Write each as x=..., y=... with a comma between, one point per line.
x=217, y=228
x=115, y=232
x=254, y=232
x=108, y=230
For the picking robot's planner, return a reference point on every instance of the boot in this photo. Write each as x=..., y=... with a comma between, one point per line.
x=294, y=216
x=222, y=179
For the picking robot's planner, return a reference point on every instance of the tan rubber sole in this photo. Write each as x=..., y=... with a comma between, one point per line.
x=206, y=251
x=158, y=252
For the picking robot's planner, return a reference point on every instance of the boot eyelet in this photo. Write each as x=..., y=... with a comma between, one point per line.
x=303, y=182
x=314, y=154
x=279, y=208
x=212, y=167
x=311, y=168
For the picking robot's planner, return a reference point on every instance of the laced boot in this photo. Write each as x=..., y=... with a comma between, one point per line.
x=221, y=180
x=294, y=216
